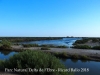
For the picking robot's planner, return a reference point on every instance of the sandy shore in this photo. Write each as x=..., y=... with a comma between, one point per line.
x=95, y=54
x=67, y=50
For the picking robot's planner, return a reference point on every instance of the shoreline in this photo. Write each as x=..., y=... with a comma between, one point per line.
x=94, y=55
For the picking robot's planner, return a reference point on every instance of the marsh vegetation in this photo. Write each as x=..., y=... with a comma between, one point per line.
x=34, y=59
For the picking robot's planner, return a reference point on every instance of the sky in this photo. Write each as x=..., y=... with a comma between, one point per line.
x=50, y=18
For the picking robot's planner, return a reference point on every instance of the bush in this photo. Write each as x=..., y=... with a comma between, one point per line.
x=96, y=47
x=75, y=56
x=23, y=39
x=62, y=47
x=5, y=45
x=17, y=44
x=64, y=54
x=82, y=47
x=84, y=57
x=53, y=46
x=95, y=40
x=84, y=40
x=34, y=59
x=50, y=45
x=61, y=55
x=44, y=45
x=30, y=45
x=45, y=48
x=5, y=42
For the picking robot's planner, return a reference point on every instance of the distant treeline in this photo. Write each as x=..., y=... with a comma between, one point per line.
x=22, y=39
x=85, y=40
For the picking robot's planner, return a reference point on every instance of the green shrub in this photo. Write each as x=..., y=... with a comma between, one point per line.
x=34, y=59
x=61, y=55
x=5, y=45
x=5, y=42
x=64, y=54
x=43, y=45
x=23, y=39
x=84, y=40
x=62, y=47
x=45, y=48
x=30, y=45
x=1, y=65
x=17, y=44
x=55, y=53
x=75, y=56
x=84, y=57
x=49, y=45
x=96, y=47
x=95, y=40
x=82, y=47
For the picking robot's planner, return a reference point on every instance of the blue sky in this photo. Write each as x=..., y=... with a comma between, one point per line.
x=39, y=18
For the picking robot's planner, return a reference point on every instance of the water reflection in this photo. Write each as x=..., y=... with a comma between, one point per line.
x=63, y=59
x=74, y=60
x=65, y=41
x=94, y=67
x=84, y=61
x=6, y=54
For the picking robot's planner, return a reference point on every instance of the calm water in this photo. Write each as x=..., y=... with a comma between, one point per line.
x=6, y=54
x=93, y=66
x=65, y=41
